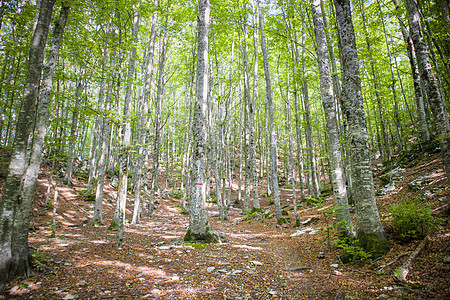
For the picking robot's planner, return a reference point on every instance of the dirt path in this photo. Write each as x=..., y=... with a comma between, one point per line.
x=261, y=260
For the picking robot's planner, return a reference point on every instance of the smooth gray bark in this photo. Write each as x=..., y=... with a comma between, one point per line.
x=12, y=192
x=199, y=227
x=273, y=140
x=426, y=74
x=126, y=132
x=369, y=229
x=345, y=226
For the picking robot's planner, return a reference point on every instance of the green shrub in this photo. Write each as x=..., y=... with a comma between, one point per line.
x=311, y=201
x=412, y=220
x=181, y=209
x=352, y=250
x=177, y=194
x=271, y=201
x=89, y=197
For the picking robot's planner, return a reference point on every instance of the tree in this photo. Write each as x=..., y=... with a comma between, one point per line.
x=12, y=195
x=426, y=74
x=273, y=141
x=345, y=226
x=369, y=229
x=199, y=227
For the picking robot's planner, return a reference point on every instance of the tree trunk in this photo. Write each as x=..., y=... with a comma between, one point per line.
x=73, y=134
x=369, y=229
x=126, y=132
x=345, y=226
x=158, y=127
x=12, y=192
x=199, y=227
x=273, y=140
x=426, y=74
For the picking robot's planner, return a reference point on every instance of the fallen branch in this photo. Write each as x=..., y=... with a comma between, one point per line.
x=441, y=207
x=401, y=273
x=380, y=268
x=298, y=270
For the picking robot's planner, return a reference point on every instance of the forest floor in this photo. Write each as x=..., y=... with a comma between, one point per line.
x=262, y=260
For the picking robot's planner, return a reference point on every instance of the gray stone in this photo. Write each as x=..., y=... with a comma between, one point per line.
x=256, y=263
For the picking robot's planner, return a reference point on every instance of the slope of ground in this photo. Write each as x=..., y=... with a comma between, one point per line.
x=261, y=261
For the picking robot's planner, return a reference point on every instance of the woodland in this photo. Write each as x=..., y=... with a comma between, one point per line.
x=236, y=149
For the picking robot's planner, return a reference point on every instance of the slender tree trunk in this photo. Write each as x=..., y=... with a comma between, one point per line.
x=199, y=227
x=369, y=229
x=126, y=132
x=158, y=123
x=73, y=134
x=248, y=132
x=273, y=140
x=12, y=192
x=386, y=153
x=104, y=140
x=345, y=226
x=426, y=74
x=255, y=96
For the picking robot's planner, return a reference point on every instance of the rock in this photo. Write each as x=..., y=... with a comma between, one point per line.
x=305, y=230
x=321, y=255
x=446, y=260
x=420, y=182
x=82, y=283
x=67, y=264
x=236, y=272
x=310, y=221
x=393, y=175
x=69, y=296
x=273, y=293
x=115, y=182
x=382, y=296
x=386, y=189
x=338, y=273
x=334, y=265
x=256, y=263
x=222, y=271
x=164, y=247
x=210, y=269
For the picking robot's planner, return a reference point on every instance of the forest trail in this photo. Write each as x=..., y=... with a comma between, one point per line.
x=261, y=260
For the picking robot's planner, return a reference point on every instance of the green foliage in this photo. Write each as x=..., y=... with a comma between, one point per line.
x=38, y=259
x=271, y=201
x=326, y=191
x=89, y=197
x=82, y=176
x=284, y=213
x=311, y=201
x=5, y=157
x=177, y=194
x=353, y=251
x=114, y=226
x=52, y=227
x=412, y=220
x=181, y=209
x=213, y=199
x=258, y=215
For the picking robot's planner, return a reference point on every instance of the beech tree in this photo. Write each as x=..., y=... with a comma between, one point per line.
x=199, y=227
x=12, y=264
x=369, y=229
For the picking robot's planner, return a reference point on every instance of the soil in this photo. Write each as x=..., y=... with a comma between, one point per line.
x=261, y=260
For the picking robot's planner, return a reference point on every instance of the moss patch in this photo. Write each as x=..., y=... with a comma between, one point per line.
x=209, y=237
x=372, y=244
